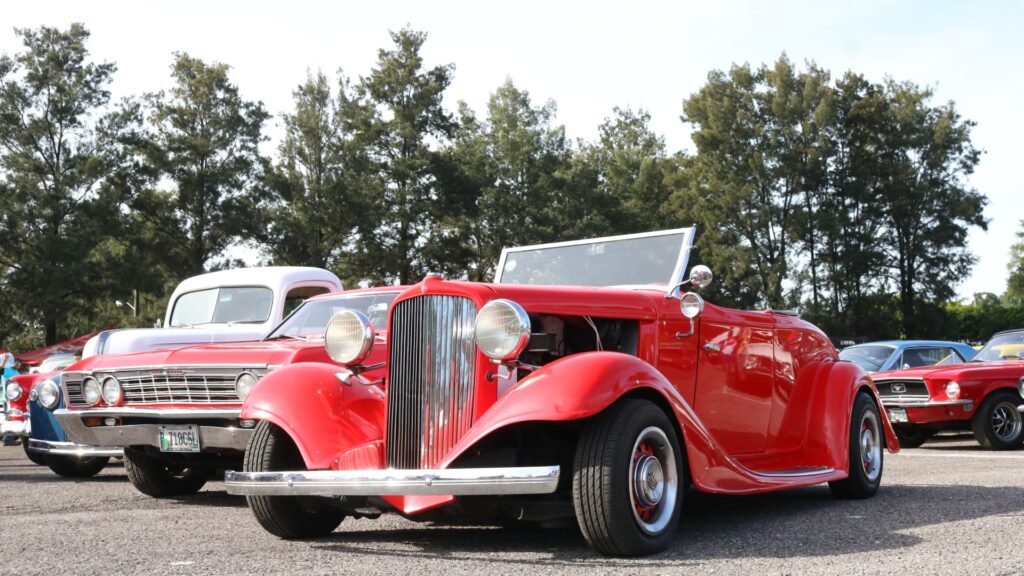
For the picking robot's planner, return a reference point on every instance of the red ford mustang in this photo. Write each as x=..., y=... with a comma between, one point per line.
x=981, y=395
x=558, y=393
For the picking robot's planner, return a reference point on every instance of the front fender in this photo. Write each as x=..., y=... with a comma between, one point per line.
x=334, y=425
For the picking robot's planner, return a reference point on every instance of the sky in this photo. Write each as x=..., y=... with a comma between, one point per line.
x=592, y=56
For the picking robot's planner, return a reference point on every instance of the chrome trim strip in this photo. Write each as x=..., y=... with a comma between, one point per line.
x=391, y=482
x=904, y=403
x=163, y=413
x=72, y=449
x=797, y=473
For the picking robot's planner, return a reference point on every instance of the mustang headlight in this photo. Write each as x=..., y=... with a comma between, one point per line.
x=111, y=391
x=952, y=390
x=91, y=391
x=48, y=393
x=13, y=391
x=502, y=329
x=244, y=383
x=349, y=337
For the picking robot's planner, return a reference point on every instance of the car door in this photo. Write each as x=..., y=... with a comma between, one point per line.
x=735, y=375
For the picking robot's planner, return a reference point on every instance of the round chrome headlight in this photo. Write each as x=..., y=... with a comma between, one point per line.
x=13, y=391
x=91, y=391
x=691, y=305
x=952, y=390
x=112, y=391
x=48, y=393
x=502, y=329
x=244, y=383
x=349, y=337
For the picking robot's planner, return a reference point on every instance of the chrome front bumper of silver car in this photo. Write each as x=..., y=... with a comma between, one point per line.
x=72, y=449
x=391, y=482
x=229, y=436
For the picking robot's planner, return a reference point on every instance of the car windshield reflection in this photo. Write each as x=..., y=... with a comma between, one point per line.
x=1002, y=347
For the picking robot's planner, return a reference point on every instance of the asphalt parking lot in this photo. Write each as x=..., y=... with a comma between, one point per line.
x=946, y=508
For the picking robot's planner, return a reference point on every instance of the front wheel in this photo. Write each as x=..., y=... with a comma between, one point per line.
x=997, y=425
x=75, y=467
x=289, y=517
x=865, y=455
x=154, y=478
x=627, y=478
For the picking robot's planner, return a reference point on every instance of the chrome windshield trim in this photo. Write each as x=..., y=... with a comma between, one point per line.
x=906, y=402
x=393, y=482
x=169, y=413
x=72, y=449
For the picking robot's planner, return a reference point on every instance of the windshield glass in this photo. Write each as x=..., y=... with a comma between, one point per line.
x=870, y=358
x=239, y=305
x=310, y=319
x=648, y=259
x=1009, y=346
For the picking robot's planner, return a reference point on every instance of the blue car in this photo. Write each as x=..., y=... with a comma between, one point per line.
x=47, y=443
x=900, y=354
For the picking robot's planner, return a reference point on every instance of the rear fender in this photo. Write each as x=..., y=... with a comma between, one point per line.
x=334, y=425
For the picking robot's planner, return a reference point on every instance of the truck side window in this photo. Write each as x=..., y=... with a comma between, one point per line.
x=297, y=296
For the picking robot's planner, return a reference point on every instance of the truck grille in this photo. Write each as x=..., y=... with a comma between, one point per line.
x=431, y=379
x=902, y=389
x=201, y=385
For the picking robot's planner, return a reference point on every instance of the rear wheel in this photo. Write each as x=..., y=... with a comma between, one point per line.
x=913, y=437
x=997, y=424
x=865, y=452
x=627, y=480
x=289, y=517
x=75, y=467
x=33, y=456
x=155, y=478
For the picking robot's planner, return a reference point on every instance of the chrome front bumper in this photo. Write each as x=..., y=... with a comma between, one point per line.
x=442, y=482
x=72, y=449
x=217, y=437
x=967, y=404
x=17, y=428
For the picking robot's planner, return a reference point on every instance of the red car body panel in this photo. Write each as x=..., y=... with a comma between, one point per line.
x=27, y=382
x=771, y=399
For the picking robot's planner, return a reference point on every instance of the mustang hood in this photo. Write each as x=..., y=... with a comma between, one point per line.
x=247, y=354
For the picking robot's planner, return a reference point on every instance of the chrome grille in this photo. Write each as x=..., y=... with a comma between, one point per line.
x=431, y=377
x=199, y=385
x=902, y=389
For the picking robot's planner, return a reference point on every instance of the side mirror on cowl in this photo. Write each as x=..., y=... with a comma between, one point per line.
x=700, y=276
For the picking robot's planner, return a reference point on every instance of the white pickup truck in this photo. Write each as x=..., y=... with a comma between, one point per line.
x=237, y=305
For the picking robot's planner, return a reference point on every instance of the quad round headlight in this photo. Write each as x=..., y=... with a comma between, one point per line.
x=952, y=390
x=13, y=391
x=349, y=337
x=112, y=391
x=244, y=383
x=48, y=393
x=502, y=329
x=91, y=391
x=691, y=305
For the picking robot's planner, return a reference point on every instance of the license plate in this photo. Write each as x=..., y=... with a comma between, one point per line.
x=179, y=438
x=897, y=415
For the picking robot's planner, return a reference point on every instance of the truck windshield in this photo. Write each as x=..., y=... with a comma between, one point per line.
x=310, y=319
x=652, y=258
x=1009, y=346
x=235, y=305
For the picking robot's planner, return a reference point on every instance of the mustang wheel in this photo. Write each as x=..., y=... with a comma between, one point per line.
x=627, y=479
x=913, y=437
x=33, y=456
x=290, y=517
x=997, y=423
x=74, y=467
x=159, y=480
x=865, y=452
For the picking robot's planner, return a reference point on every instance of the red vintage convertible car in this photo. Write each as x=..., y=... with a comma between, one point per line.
x=176, y=412
x=981, y=395
x=549, y=395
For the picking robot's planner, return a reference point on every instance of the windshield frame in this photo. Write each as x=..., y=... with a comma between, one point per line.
x=677, y=273
x=174, y=305
x=272, y=335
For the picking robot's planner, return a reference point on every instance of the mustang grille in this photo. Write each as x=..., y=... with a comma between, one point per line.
x=203, y=385
x=913, y=389
x=431, y=377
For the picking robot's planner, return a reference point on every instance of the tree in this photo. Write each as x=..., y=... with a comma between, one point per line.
x=204, y=141
x=1015, y=284
x=65, y=176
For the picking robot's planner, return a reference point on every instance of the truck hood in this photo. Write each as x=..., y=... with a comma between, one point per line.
x=960, y=372
x=145, y=339
x=273, y=353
